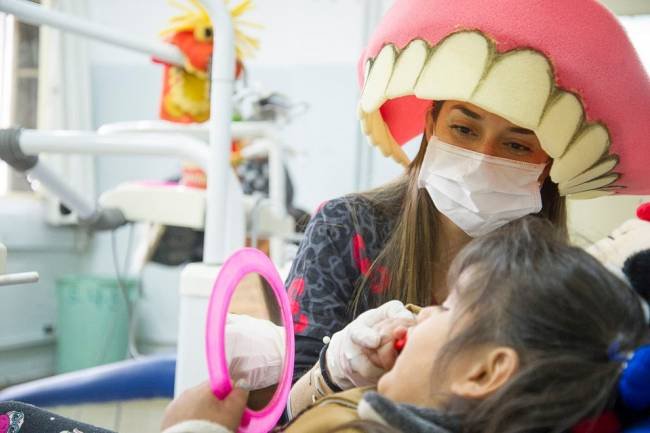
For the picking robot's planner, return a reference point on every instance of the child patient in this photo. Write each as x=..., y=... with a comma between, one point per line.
x=532, y=338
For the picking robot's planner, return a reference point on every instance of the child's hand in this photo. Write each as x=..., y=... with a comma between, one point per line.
x=385, y=355
x=199, y=403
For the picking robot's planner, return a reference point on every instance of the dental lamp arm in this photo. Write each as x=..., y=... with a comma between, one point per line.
x=89, y=214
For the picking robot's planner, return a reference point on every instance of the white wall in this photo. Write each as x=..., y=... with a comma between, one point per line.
x=310, y=51
x=28, y=312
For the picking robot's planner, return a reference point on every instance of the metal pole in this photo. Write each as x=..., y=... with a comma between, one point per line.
x=35, y=142
x=198, y=130
x=59, y=188
x=38, y=15
x=20, y=278
x=277, y=195
x=222, y=88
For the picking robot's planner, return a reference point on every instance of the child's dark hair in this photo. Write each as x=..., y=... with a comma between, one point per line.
x=569, y=319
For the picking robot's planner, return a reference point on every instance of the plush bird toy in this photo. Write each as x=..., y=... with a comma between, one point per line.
x=626, y=251
x=186, y=90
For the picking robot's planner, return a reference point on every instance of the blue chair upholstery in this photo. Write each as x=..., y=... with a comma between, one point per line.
x=144, y=378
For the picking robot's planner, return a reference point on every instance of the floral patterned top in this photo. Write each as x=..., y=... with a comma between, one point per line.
x=341, y=241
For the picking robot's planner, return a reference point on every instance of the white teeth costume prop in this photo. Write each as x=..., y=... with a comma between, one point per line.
x=488, y=80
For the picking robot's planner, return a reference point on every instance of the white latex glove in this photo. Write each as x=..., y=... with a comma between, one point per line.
x=254, y=350
x=347, y=365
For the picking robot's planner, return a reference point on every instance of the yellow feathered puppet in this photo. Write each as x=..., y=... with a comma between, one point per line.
x=186, y=91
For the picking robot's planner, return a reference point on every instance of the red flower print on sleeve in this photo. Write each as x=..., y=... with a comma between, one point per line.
x=359, y=254
x=380, y=280
x=296, y=289
x=300, y=324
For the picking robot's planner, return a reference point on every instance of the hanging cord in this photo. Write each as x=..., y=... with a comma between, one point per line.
x=124, y=290
x=110, y=334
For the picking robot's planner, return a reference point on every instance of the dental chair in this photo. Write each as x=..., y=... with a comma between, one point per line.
x=127, y=396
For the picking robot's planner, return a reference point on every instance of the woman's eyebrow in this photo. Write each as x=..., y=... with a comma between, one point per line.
x=467, y=112
x=521, y=131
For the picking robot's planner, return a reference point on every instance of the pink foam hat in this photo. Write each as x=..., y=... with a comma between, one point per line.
x=563, y=69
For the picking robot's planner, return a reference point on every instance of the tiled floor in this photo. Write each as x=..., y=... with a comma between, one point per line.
x=136, y=416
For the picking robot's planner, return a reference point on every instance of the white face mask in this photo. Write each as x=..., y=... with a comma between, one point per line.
x=477, y=192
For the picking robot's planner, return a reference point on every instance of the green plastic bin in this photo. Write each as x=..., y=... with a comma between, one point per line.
x=93, y=321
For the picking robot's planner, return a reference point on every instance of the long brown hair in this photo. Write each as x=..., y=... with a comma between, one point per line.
x=411, y=253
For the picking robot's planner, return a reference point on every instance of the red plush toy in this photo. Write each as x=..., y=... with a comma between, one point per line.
x=607, y=423
x=643, y=212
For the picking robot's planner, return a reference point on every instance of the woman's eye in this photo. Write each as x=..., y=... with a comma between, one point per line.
x=463, y=130
x=518, y=148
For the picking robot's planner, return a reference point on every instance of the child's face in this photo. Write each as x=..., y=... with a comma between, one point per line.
x=411, y=378
x=473, y=373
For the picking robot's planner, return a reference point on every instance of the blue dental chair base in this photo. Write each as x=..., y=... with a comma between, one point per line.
x=143, y=378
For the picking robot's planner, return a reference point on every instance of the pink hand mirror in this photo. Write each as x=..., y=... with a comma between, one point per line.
x=239, y=265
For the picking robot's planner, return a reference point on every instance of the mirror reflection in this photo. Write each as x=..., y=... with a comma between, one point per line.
x=255, y=339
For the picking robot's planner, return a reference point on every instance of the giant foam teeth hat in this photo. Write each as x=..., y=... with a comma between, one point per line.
x=564, y=69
